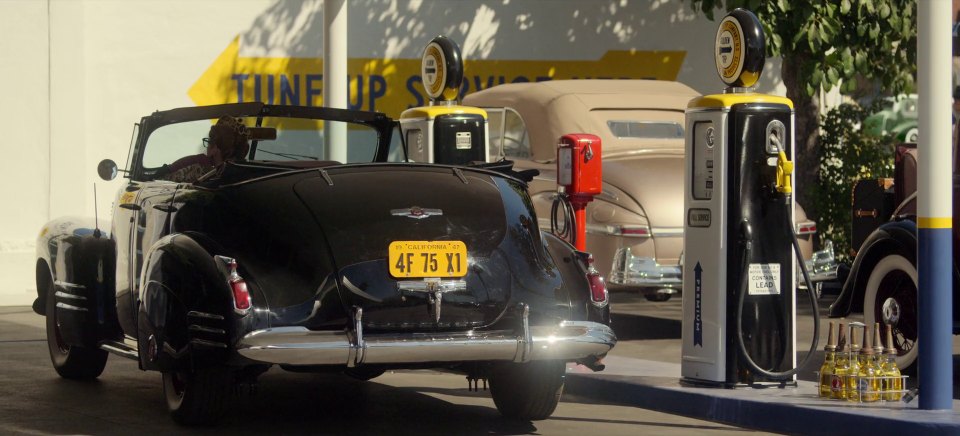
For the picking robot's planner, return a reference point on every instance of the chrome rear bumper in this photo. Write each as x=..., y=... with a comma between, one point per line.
x=569, y=341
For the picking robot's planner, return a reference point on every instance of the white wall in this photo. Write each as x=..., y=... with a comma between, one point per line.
x=79, y=73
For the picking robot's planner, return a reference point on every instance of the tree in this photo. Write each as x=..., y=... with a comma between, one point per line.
x=859, y=45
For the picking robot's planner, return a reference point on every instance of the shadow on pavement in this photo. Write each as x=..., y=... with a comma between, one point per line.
x=629, y=327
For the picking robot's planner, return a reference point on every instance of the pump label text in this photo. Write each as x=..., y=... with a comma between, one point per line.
x=764, y=279
x=698, y=217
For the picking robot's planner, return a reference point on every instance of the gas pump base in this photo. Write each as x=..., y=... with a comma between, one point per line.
x=698, y=383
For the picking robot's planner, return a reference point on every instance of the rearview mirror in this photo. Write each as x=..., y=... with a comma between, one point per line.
x=107, y=169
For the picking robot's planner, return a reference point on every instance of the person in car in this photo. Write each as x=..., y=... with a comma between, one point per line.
x=228, y=140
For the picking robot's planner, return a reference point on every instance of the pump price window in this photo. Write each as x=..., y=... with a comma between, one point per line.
x=704, y=139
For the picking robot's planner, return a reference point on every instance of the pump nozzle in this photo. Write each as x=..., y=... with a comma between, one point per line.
x=784, y=172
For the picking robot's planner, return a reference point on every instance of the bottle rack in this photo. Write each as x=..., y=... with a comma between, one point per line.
x=866, y=395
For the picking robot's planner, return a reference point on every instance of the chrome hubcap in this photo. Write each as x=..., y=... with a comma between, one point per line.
x=891, y=311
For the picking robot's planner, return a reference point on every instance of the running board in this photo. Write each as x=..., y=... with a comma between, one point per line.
x=120, y=349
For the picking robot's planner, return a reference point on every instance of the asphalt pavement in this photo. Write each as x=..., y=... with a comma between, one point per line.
x=125, y=400
x=639, y=392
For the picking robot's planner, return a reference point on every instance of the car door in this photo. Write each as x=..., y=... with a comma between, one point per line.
x=148, y=221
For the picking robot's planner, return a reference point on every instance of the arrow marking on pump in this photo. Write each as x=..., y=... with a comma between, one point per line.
x=697, y=318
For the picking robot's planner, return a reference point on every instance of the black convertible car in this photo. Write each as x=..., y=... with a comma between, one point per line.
x=283, y=258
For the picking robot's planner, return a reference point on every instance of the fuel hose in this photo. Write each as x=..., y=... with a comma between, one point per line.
x=746, y=234
x=562, y=206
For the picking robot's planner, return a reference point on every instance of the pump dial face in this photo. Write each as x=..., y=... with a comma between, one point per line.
x=433, y=70
x=739, y=49
x=442, y=69
x=729, y=55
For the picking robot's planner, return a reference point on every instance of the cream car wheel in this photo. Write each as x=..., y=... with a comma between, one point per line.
x=891, y=298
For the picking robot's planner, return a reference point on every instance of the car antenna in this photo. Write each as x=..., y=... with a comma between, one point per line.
x=96, y=220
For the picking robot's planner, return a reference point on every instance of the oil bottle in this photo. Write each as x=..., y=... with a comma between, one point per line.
x=868, y=383
x=841, y=365
x=850, y=378
x=829, y=364
x=892, y=379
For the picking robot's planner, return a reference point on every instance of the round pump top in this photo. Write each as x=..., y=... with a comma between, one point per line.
x=739, y=49
x=441, y=69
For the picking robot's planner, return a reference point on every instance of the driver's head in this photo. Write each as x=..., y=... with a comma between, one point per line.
x=228, y=140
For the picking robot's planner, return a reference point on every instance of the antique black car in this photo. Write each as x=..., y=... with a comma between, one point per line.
x=283, y=258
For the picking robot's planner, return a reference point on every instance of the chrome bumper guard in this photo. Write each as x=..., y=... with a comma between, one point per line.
x=569, y=341
x=822, y=266
x=630, y=270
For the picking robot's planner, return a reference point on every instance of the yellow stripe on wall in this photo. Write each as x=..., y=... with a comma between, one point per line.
x=935, y=223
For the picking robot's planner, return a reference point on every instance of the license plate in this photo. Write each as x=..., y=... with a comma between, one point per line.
x=413, y=259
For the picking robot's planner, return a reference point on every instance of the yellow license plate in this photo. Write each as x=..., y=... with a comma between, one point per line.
x=411, y=259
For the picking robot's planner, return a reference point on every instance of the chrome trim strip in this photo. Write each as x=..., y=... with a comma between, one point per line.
x=669, y=232
x=68, y=285
x=120, y=350
x=359, y=345
x=196, y=314
x=569, y=340
x=433, y=285
x=130, y=341
x=69, y=307
x=69, y=296
x=353, y=288
x=205, y=329
x=526, y=341
x=205, y=343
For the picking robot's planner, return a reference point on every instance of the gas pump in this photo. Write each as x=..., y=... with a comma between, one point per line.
x=444, y=132
x=579, y=179
x=739, y=312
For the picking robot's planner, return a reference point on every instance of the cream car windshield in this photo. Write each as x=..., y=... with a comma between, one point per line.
x=294, y=139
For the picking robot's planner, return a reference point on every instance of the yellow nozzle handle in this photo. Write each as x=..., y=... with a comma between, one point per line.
x=784, y=171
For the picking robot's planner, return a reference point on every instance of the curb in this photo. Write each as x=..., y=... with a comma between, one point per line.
x=790, y=410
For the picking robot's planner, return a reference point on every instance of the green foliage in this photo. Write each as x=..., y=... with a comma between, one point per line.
x=841, y=42
x=847, y=153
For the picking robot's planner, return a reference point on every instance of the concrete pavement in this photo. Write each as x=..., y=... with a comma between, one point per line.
x=643, y=370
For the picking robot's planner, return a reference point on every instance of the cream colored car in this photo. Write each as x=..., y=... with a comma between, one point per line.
x=635, y=227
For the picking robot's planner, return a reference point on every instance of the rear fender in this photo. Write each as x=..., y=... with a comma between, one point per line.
x=891, y=237
x=76, y=262
x=186, y=314
x=576, y=288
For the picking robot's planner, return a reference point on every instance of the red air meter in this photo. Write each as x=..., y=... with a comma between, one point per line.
x=579, y=173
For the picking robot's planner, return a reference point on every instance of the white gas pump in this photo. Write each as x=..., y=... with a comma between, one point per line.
x=739, y=293
x=444, y=132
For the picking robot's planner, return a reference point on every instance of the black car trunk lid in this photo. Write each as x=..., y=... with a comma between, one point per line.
x=418, y=210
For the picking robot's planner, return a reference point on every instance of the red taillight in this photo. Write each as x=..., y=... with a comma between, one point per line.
x=241, y=297
x=238, y=286
x=598, y=288
x=640, y=231
x=806, y=228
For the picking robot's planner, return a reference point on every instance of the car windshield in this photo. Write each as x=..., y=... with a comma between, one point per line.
x=275, y=139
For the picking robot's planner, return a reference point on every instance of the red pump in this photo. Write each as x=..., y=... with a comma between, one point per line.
x=579, y=174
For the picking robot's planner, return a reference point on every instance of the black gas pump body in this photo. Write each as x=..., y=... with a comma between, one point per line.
x=459, y=139
x=761, y=216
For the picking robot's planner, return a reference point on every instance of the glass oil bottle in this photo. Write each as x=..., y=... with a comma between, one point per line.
x=841, y=365
x=851, y=392
x=868, y=377
x=892, y=379
x=829, y=364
